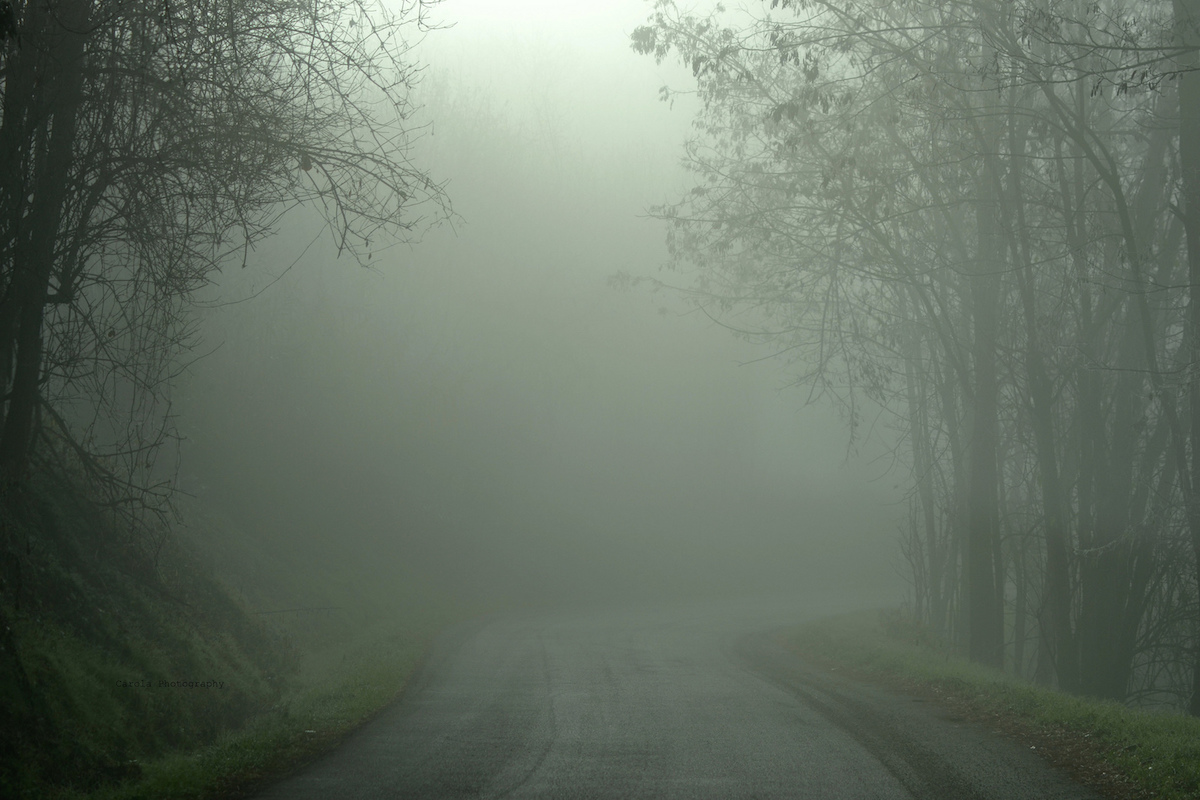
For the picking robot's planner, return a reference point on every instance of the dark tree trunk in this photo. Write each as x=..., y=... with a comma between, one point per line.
x=1187, y=20
x=1055, y=623
x=59, y=70
x=917, y=392
x=985, y=619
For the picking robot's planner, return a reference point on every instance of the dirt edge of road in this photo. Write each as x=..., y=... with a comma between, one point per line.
x=1076, y=753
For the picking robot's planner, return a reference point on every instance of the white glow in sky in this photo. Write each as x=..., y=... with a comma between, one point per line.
x=596, y=18
x=565, y=66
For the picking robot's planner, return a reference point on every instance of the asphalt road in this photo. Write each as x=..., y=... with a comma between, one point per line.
x=683, y=702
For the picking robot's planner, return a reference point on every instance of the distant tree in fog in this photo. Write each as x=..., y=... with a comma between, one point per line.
x=979, y=214
x=147, y=144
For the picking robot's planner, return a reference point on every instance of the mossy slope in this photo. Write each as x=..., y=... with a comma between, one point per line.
x=96, y=626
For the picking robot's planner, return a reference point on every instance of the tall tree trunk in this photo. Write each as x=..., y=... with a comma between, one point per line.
x=1020, y=604
x=916, y=381
x=1187, y=22
x=950, y=388
x=984, y=580
x=17, y=132
x=1112, y=599
x=1104, y=569
x=1055, y=622
x=62, y=36
x=985, y=619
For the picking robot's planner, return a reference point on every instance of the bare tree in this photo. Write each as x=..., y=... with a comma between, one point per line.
x=976, y=211
x=144, y=146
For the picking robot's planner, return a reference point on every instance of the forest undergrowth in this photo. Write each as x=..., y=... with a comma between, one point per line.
x=136, y=671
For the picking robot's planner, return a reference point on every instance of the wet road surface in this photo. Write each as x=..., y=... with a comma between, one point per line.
x=681, y=702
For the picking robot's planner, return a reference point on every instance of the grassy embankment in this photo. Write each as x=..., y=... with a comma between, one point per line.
x=1123, y=752
x=335, y=689
x=135, y=669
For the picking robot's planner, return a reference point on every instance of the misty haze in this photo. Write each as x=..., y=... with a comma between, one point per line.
x=625, y=399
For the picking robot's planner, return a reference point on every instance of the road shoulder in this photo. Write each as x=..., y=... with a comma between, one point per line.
x=930, y=749
x=1121, y=753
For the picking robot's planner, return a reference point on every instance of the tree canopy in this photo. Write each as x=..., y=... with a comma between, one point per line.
x=981, y=216
x=144, y=146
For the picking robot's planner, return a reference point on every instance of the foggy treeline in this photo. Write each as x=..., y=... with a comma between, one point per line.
x=984, y=218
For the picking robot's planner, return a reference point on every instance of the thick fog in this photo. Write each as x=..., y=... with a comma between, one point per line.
x=483, y=413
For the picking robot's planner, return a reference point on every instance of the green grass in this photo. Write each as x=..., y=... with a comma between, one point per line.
x=92, y=623
x=337, y=689
x=1155, y=755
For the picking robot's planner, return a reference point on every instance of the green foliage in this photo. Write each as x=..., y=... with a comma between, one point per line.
x=95, y=625
x=1156, y=752
x=96, y=630
x=334, y=691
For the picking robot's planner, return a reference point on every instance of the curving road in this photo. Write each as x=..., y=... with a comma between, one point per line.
x=686, y=702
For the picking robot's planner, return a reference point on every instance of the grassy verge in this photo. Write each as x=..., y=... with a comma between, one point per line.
x=130, y=666
x=338, y=687
x=1123, y=752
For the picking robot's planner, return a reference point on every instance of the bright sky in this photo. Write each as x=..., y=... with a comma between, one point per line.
x=598, y=18
x=567, y=67
x=589, y=37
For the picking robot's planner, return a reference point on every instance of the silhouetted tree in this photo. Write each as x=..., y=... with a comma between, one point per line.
x=144, y=146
